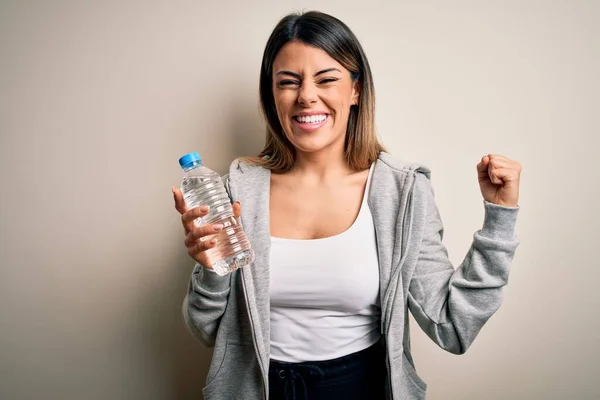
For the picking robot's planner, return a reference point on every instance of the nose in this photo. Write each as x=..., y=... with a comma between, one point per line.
x=307, y=94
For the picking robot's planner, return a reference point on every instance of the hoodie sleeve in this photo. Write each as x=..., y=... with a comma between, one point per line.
x=205, y=303
x=206, y=299
x=452, y=305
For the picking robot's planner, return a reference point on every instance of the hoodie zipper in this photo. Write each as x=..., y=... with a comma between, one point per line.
x=255, y=341
x=405, y=236
x=403, y=248
x=252, y=325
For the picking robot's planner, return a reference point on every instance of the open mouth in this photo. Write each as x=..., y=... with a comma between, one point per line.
x=310, y=123
x=310, y=119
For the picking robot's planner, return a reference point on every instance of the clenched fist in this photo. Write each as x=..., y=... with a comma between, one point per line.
x=499, y=179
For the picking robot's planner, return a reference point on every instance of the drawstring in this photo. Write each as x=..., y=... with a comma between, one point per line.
x=294, y=378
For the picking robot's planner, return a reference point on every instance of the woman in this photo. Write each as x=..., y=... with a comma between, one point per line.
x=347, y=240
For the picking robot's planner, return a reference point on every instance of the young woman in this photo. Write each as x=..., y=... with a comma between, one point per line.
x=347, y=240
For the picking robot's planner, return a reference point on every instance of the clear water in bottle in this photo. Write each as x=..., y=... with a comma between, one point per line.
x=202, y=186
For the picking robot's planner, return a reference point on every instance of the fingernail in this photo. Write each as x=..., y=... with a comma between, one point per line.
x=173, y=190
x=238, y=202
x=213, y=241
x=204, y=208
x=217, y=227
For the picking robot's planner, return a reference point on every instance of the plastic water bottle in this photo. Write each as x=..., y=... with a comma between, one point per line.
x=203, y=187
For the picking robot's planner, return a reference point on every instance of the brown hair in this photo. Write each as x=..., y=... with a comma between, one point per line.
x=328, y=33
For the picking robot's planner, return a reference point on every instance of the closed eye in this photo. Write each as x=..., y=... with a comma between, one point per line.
x=287, y=82
x=328, y=80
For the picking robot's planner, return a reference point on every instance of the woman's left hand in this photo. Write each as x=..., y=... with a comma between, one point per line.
x=499, y=179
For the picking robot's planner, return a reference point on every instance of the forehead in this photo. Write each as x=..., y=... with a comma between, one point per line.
x=301, y=57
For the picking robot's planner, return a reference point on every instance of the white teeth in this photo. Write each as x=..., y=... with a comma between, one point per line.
x=313, y=119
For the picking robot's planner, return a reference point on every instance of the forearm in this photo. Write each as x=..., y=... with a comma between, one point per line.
x=453, y=305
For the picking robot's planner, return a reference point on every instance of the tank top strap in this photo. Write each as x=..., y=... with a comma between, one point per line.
x=367, y=186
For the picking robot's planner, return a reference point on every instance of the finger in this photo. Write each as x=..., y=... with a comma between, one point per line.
x=190, y=216
x=503, y=163
x=202, y=233
x=179, y=202
x=200, y=246
x=499, y=157
x=493, y=176
x=237, y=209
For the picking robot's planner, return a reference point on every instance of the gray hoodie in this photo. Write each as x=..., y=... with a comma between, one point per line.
x=451, y=305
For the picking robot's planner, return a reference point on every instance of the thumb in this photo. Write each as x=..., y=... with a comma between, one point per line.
x=500, y=176
x=179, y=202
x=237, y=209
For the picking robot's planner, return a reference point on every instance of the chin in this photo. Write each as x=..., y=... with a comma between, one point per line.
x=315, y=141
x=312, y=145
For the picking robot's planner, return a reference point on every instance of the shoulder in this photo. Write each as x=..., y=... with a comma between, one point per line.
x=243, y=164
x=391, y=165
x=394, y=172
x=402, y=175
x=247, y=176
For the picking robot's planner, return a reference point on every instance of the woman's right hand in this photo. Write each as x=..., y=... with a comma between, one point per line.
x=197, y=238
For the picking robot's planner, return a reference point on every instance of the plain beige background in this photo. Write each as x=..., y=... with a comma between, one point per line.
x=98, y=99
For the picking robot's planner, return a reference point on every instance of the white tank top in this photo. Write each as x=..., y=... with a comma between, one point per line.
x=325, y=293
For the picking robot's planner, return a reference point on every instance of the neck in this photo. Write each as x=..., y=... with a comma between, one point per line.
x=325, y=165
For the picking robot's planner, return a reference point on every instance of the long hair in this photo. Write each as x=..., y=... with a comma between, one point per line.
x=361, y=147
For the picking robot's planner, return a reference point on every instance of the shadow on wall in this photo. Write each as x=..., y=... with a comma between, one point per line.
x=247, y=130
x=184, y=360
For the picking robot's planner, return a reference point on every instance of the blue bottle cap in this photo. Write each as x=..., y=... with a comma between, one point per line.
x=189, y=160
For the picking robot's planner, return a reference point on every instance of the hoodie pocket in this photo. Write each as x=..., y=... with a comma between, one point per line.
x=216, y=363
x=231, y=372
x=409, y=370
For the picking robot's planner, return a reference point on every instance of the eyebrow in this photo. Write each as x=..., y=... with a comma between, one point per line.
x=298, y=76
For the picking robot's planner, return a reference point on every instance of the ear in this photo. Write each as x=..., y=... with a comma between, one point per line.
x=355, y=92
